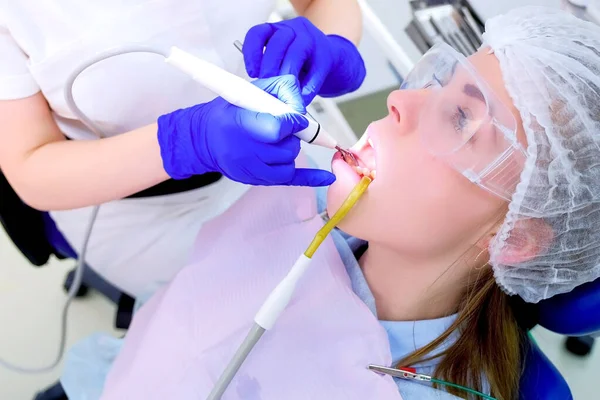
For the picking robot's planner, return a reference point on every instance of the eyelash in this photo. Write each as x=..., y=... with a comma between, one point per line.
x=459, y=119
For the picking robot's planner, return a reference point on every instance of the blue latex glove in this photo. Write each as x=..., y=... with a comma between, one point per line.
x=247, y=147
x=326, y=65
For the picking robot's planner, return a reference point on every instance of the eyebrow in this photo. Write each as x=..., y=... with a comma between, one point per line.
x=469, y=89
x=474, y=92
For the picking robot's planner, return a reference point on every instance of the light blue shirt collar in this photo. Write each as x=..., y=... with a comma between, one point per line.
x=404, y=336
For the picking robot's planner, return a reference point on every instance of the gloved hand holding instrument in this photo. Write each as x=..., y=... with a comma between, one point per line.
x=325, y=65
x=246, y=146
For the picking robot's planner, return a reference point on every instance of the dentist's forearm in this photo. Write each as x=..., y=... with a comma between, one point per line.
x=339, y=17
x=61, y=174
x=78, y=173
x=49, y=172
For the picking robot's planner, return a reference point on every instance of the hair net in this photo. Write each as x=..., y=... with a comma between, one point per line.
x=551, y=69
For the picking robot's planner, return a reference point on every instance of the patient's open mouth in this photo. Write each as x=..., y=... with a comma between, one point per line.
x=348, y=157
x=364, y=152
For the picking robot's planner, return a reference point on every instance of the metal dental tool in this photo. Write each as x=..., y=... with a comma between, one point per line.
x=348, y=157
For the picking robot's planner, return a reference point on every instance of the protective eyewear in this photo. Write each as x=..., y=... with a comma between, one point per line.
x=463, y=122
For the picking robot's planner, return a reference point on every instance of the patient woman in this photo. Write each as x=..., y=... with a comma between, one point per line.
x=487, y=186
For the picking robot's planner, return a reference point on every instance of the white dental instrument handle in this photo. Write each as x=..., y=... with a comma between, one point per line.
x=243, y=94
x=264, y=320
x=281, y=295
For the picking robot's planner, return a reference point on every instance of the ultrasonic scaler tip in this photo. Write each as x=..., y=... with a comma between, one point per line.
x=348, y=157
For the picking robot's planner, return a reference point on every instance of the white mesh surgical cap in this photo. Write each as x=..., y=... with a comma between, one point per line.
x=550, y=63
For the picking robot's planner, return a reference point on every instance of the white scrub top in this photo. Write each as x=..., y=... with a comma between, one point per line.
x=136, y=243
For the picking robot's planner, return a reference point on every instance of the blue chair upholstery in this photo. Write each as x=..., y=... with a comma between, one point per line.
x=541, y=380
x=576, y=314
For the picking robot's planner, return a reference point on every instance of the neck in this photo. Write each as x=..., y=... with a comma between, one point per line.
x=408, y=289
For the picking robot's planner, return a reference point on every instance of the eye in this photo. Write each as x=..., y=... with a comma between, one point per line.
x=460, y=121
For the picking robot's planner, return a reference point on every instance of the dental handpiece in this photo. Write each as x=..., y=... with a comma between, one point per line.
x=244, y=94
x=346, y=155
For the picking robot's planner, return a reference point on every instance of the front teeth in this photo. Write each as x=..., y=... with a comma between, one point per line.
x=360, y=170
x=365, y=172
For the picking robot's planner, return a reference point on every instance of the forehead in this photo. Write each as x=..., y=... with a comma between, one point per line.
x=488, y=68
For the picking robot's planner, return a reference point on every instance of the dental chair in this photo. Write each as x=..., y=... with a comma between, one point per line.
x=575, y=314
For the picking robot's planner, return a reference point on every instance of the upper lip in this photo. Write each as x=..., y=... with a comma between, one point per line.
x=362, y=144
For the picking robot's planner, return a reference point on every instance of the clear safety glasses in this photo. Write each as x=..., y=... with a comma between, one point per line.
x=463, y=123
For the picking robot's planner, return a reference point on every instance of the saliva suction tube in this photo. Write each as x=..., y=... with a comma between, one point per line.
x=279, y=298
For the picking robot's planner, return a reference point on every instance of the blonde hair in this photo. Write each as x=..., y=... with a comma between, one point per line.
x=490, y=343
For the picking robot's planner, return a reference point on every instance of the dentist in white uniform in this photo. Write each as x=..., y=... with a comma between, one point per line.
x=46, y=153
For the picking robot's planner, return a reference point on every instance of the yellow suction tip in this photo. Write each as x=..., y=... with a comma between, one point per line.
x=346, y=206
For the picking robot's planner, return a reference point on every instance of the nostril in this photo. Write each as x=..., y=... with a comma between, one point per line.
x=396, y=114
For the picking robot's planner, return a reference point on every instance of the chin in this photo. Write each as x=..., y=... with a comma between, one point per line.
x=336, y=194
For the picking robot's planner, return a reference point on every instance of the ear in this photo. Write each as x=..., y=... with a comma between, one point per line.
x=528, y=239
x=483, y=244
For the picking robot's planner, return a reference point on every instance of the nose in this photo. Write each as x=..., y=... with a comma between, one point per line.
x=405, y=107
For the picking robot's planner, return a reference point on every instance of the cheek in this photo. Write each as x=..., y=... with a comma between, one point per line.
x=417, y=205
x=432, y=214
x=406, y=189
x=402, y=168
x=422, y=196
